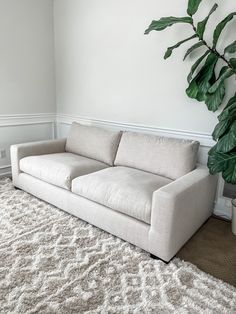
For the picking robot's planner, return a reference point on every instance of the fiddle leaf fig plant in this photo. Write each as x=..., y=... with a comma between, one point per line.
x=205, y=85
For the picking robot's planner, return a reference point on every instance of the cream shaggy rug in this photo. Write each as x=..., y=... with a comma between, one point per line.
x=51, y=262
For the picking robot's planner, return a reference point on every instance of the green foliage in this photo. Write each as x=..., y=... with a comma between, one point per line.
x=206, y=86
x=229, y=110
x=231, y=48
x=220, y=27
x=193, y=6
x=228, y=141
x=224, y=163
x=221, y=128
x=232, y=62
x=165, y=22
x=191, y=49
x=201, y=26
x=226, y=73
x=170, y=49
x=196, y=65
x=201, y=83
x=213, y=101
x=215, y=98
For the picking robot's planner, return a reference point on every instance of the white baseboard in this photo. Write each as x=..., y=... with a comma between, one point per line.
x=223, y=208
x=5, y=171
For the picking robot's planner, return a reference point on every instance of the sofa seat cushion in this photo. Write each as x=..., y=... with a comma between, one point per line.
x=122, y=189
x=59, y=169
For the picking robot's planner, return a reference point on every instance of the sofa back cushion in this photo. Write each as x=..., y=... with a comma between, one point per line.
x=164, y=156
x=93, y=142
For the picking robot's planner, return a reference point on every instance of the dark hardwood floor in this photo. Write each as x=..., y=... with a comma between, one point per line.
x=213, y=250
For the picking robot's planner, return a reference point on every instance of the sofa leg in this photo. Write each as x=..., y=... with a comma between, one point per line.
x=158, y=258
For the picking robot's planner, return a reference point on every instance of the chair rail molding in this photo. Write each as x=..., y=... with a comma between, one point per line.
x=38, y=124
x=27, y=119
x=204, y=138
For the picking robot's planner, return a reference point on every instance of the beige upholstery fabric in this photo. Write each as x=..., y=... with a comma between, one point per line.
x=123, y=189
x=179, y=209
x=59, y=169
x=168, y=157
x=123, y=226
x=93, y=142
x=20, y=151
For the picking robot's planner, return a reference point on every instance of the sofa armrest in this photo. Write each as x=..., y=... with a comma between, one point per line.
x=20, y=151
x=179, y=209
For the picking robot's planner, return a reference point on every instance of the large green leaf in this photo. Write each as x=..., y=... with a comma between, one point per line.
x=225, y=163
x=200, y=84
x=231, y=48
x=229, y=175
x=220, y=27
x=165, y=22
x=229, y=110
x=193, y=6
x=170, y=49
x=226, y=118
x=228, y=141
x=213, y=101
x=202, y=25
x=196, y=65
x=231, y=103
x=195, y=46
x=223, y=76
x=221, y=128
x=217, y=162
x=232, y=62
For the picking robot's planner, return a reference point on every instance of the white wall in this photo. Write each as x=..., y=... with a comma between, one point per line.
x=107, y=69
x=27, y=75
x=27, y=82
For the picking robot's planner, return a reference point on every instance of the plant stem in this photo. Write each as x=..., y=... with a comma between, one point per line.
x=211, y=49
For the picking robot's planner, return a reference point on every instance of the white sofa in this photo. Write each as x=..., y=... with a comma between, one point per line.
x=142, y=188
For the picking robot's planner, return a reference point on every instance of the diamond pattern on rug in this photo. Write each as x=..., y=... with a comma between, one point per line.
x=52, y=262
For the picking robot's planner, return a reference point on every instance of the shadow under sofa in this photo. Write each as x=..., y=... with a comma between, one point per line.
x=142, y=188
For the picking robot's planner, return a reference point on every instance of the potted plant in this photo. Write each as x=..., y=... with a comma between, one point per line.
x=208, y=86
